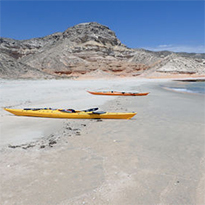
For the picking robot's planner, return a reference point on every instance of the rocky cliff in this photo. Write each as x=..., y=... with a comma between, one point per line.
x=88, y=48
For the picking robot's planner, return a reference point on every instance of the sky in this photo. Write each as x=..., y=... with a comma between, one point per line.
x=154, y=25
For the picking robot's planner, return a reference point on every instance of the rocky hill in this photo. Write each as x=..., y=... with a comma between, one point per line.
x=89, y=49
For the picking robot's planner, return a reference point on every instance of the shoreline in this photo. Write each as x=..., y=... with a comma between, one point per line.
x=151, y=158
x=169, y=76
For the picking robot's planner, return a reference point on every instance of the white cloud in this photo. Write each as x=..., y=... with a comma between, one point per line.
x=164, y=46
x=178, y=48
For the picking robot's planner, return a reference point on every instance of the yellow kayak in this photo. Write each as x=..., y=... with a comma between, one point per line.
x=69, y=113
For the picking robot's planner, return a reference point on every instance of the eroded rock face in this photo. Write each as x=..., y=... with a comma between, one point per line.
x=11, y=68
x=88, y=48
x=177, y=64
x=96, y=32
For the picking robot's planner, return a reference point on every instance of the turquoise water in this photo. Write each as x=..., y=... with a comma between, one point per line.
x=189, y=87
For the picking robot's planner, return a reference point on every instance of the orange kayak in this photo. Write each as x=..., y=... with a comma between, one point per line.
x=117, y=93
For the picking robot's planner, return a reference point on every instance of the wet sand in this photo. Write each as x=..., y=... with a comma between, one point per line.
x=155, y=158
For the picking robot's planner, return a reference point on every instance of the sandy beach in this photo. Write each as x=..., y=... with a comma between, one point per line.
x=157, y=157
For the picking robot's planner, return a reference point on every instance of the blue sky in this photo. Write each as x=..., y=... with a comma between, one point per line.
x=154, y=25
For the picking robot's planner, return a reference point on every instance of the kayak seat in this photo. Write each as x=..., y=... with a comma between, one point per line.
x=90, y=110
x=67, y=110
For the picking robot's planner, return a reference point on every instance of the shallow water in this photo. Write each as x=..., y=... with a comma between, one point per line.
x=188, y=87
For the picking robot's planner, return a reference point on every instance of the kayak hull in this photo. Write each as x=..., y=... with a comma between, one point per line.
x=48, y=113
x=117, y=93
